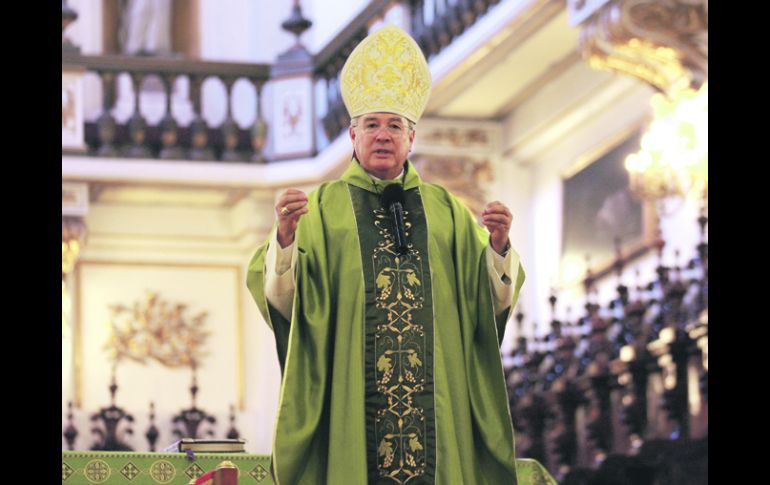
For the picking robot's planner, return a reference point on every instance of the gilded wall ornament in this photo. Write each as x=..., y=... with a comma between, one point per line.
x=155, y=329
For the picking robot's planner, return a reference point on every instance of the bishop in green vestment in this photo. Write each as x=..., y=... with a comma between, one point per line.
x=391, y=370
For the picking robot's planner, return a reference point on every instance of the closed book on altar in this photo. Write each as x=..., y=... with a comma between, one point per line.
x=212, y=446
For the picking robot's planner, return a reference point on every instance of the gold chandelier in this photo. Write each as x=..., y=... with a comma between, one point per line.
x=665, y=44
x=673, y=158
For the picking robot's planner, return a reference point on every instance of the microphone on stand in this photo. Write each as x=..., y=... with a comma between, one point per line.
x=393, y=201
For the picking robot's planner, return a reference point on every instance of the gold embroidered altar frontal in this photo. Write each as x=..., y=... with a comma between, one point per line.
x=133, y=468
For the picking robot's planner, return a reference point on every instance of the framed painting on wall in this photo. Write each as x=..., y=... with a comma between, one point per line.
x=598, y=208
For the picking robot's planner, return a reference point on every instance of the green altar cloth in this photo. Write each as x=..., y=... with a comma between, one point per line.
x=124, y=468
x=145, y=468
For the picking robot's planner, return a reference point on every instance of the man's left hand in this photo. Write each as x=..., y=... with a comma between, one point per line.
x=497, y=218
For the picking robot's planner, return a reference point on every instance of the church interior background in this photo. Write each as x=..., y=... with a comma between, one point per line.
x=182, y=121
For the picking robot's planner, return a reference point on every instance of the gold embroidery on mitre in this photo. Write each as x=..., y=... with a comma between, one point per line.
x=386, y=72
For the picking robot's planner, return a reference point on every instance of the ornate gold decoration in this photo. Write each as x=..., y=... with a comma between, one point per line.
x=194, y=471
x=97, y=471
x=130, y=471
x=66, y=471
x=237, y=278
x=258, y=473
x=400, y=428
x=73, y=237
x=386, y=72
x=462, y=176
x=156, y=329
x=162, y=471
x=455, y=137
x=226, y=464
x=662, y=42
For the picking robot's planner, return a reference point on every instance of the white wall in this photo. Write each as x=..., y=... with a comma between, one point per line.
x=229, y=30
x=86, y=31
x=512, y=186
x=329, y=17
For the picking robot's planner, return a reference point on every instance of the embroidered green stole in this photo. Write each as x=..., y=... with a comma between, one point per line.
x=398, y=342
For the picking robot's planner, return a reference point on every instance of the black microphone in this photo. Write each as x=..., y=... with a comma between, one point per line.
x=393, y=201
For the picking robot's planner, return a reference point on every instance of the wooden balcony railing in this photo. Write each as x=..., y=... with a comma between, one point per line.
x=167, y=140
x=434, y=24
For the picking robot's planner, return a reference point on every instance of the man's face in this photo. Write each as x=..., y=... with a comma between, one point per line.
x=382, y=142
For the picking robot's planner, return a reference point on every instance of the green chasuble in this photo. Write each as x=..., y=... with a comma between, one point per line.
x=391, y=369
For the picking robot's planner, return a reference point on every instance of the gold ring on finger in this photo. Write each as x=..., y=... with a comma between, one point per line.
x=284, y=210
